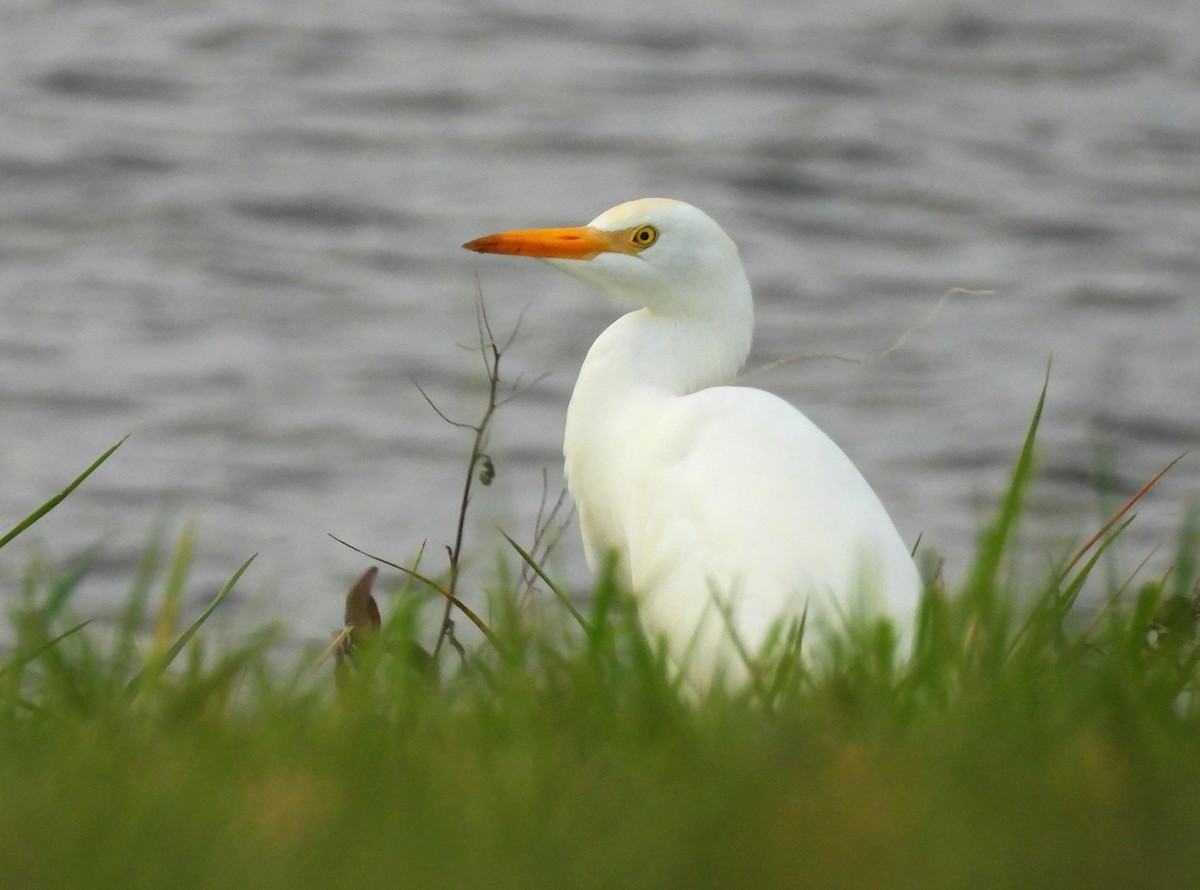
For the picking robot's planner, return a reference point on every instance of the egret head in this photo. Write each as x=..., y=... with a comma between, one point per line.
x=665, y=255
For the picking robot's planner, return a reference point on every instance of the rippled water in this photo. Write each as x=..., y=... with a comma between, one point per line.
x=232, y=229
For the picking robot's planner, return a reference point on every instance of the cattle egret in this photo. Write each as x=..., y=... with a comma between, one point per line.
x=728, y=510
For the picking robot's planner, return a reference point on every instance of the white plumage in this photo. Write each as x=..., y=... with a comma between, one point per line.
x=707, y=493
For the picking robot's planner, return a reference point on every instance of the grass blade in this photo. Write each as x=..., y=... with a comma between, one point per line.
x=132, y=616
x=1117, y=516
x=58, y=498
x=982, y=581
x=559, y=594
x=20, y=661
x=159, y=663
x=168, y=612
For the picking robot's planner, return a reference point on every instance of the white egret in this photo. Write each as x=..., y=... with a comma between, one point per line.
x=713, y=497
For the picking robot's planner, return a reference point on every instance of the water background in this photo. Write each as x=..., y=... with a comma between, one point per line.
x=232, y=231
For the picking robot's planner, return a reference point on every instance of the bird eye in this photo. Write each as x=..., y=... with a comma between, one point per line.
x=643, y=236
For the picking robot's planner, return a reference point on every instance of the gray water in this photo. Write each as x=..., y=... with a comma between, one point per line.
x=232, y=231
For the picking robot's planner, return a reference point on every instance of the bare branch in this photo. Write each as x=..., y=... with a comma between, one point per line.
x=491, y=354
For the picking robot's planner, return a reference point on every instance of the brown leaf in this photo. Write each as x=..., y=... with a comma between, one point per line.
x=362, y=612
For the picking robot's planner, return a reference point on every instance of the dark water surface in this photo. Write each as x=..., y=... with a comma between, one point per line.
x=232, y=229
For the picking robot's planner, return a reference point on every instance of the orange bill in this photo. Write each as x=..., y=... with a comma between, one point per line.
x=579, y=243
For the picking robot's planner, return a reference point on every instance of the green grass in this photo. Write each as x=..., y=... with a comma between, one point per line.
x=1022, y=745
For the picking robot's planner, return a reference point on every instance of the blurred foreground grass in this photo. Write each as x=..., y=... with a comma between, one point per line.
x=1019, y=746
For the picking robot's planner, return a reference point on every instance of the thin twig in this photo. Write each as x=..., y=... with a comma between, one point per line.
x=546, y=536
x=519, y=388
x=862, y=360
x=512, y=337
x=438, y=411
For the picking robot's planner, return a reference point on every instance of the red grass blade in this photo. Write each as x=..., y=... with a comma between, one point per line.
x=1117, y=516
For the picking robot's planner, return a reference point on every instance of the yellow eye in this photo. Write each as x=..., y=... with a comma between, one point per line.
x=643, y=236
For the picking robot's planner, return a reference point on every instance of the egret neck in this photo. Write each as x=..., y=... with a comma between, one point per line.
x=728, y=509
x=633, y=370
